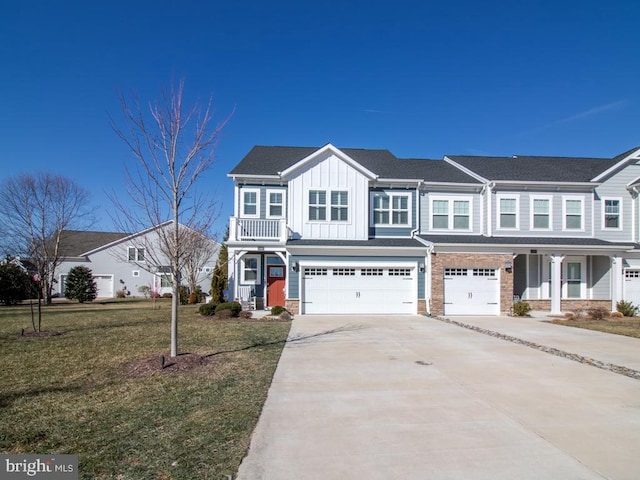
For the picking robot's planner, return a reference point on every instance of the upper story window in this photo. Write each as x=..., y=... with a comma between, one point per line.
x=390, y=209
x=135, y=254
x=340, y=206
x=573, y=213
x=250, y=202
x=508, y=212
x=275, y=206
x=450, y=214
x=611, y=211
x=541, y=213
x=317, y=205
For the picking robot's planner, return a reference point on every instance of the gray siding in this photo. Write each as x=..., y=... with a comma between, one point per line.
x=393, y=231
x=425, y=210
x=263, y=198
x=615, y=187
x=600, y=277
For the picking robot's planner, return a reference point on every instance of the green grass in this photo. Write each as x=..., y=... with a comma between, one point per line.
x=72, y=393
x=619, y=326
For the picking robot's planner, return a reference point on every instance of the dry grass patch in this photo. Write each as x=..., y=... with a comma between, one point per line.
x=628, y=326
x=76, y=393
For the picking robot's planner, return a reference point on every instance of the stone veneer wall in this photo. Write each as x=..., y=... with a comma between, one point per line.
x=569, y=305
x=440, y=261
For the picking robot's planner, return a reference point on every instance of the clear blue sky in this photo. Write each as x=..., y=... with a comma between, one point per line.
x=422, y=79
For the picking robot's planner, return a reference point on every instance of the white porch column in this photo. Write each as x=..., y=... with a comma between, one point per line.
x=556, y=283
x=616, y=282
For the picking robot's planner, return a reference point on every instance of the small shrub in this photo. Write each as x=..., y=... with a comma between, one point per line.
x=80, y=285
x=627, y=309
x=569, y=316
x=521, y=309
x=224, y=314
x=277, y=310
x=207, y=310
x=246, y=314
x=154, y=294
x=183, y=294
x=617, y=315
x=234, y=307
x=121, y=294
x=578, y=313
x=167, y=295
x=193, y=298
x=598, y=313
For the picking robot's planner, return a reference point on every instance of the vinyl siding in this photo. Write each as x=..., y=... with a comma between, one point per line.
x=393, y=231
x=615, y=187
x=263, y=199
x=425, y=211
x=600, y=277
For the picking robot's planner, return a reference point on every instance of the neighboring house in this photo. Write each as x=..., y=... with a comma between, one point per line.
x=124, y=262
x=328, y=230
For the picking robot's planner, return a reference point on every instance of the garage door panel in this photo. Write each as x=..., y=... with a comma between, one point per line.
x=359, y=290
x=472, y=291
x=632, y=286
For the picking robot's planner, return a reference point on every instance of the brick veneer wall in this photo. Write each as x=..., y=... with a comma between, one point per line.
x=293, y=306
x=569, y=305
x=440, y=261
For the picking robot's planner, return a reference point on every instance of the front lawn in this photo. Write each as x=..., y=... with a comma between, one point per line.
x=629, y=326
x=77, y=393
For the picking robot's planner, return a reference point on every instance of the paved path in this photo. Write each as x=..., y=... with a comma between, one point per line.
x=415, y=398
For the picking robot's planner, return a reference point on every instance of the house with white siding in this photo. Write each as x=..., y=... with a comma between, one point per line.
x=340, y=230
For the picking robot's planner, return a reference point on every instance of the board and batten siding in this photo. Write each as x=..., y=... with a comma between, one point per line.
x=329, y=173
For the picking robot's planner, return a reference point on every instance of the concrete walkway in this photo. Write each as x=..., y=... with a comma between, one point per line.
x=416, y=398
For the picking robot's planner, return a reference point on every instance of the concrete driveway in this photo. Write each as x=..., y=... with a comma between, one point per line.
x=410, y=397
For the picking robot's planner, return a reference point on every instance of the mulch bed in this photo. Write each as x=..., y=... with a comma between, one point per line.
x=164, y=364
x=45, y=334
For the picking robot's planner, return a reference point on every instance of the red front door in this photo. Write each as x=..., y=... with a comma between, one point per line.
x=275, y=285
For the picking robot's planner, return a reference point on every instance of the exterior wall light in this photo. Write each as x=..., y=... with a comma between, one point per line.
x=508, y=266
x=294, y=266
x=421, y=267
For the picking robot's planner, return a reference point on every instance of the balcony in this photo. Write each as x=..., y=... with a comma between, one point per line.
x=254, y=229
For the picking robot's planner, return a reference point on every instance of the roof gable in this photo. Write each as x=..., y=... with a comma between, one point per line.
x=76, y=243
x=319, y=154
x=619, y=162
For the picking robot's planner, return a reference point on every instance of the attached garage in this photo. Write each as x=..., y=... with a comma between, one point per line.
x=105, y=285
x=471, y=291
x=632, y=285
x=358, y=289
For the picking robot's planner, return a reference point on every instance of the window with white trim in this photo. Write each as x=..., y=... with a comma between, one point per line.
x=612, y=213
x=135, y=254
x=574, y=280
x=275, y=203
x=250, y=202
x=573, y=214
x=317, y=205
x=339, y=206
x=250, y=269
x=540, y=213
x=508, y=212
x=391, y=209
x=450, y=214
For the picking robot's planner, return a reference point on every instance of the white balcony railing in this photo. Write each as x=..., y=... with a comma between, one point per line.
x=247, y=229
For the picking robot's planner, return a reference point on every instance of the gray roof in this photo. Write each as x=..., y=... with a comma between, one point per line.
x=373, y=242
x=535, y=169
x=75, y=243
x=483, y=240
x=265, y=160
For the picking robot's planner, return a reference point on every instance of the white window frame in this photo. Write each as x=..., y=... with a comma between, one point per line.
x=282, y=204
x=391, y=195
x=451, y=199
x=604, y=213
x=505, y=196
x=243, y=269
x=549, y=199
x=308, y=205
x=242, y=202
x=339, y=206
x=565, y=199
x=136, y=256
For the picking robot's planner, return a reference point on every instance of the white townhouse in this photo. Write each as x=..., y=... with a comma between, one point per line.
x=329, y=230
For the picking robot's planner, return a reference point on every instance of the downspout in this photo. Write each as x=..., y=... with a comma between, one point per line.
x=484, y=188
x=634, y=199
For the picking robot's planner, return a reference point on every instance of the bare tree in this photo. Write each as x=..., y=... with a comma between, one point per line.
x=172, y=146
x=35, y=209
x=200, y=249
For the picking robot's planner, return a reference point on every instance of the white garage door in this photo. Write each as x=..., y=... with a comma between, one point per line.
x=632, y=286
x=366, y=289
x=471, y=291
x=104, y=284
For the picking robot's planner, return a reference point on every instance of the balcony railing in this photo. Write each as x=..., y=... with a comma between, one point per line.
x=248, y=229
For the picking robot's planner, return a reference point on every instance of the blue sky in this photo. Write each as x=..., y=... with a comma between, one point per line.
x=422, y=79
